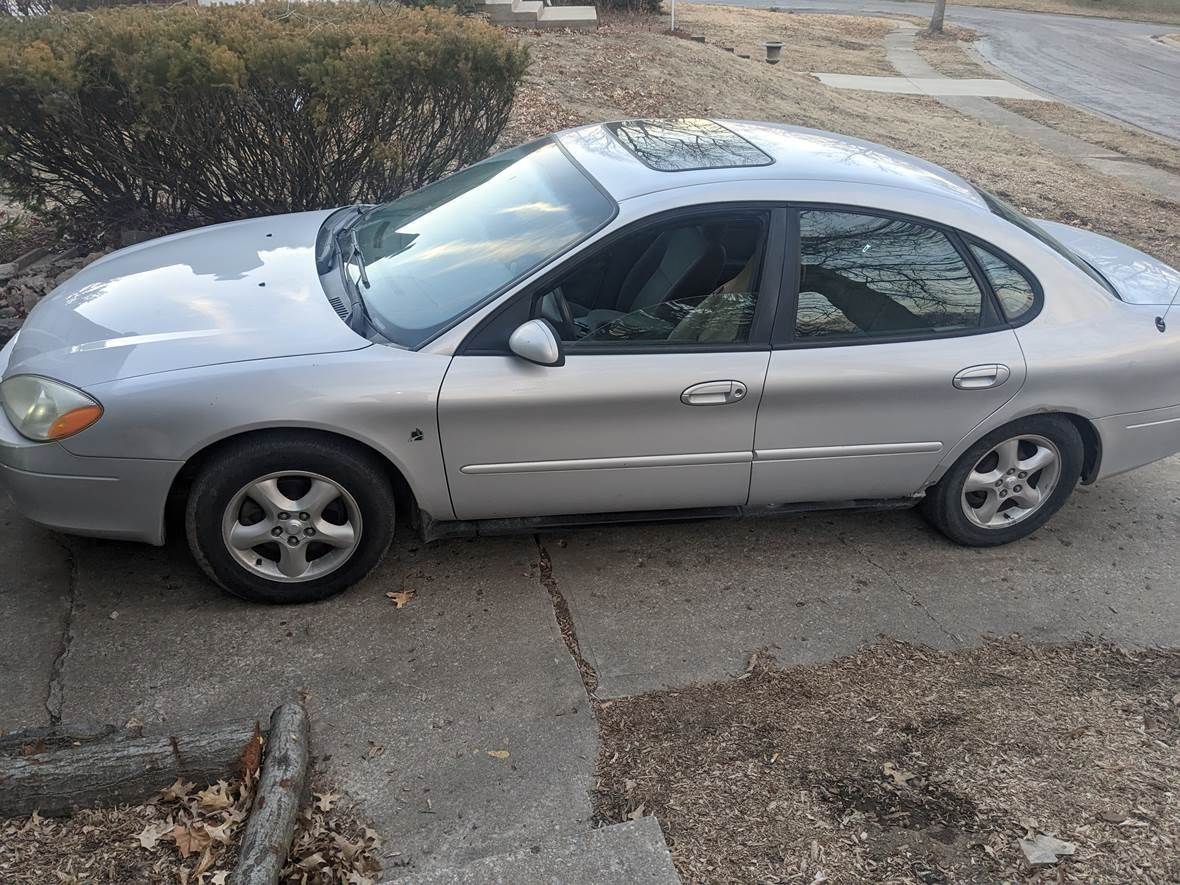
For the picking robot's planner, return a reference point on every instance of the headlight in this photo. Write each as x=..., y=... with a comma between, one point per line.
x=45, y=410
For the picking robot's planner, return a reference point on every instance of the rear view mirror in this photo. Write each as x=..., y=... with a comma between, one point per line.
x=537, y=342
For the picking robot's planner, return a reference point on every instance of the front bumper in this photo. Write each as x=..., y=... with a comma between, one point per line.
x=103, y=497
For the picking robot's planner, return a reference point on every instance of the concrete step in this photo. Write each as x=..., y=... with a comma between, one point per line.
x=632, y=853
x=581, y=18
x=533, y=13
x=515, y=12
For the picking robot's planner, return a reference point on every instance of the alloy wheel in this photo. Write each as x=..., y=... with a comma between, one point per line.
x=1012, y=481
x=291, y=526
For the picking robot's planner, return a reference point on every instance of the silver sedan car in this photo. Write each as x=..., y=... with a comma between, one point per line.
x=636, y=320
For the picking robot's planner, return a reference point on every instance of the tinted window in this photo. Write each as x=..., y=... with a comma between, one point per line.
x=686, y=282
x=436, y=253
x=1012, y=288
x=869, y=276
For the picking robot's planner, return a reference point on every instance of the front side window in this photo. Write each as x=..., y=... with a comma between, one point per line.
x=868, y=276
x=684, y=282
x=433, y=255
x=1013, y=289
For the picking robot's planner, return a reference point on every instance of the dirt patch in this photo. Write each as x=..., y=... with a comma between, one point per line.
x=624, y=70
x=1127, y=140
x=182, y=835
x=908, y=765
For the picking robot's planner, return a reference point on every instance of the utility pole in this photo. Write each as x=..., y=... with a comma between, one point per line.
x=938, y=16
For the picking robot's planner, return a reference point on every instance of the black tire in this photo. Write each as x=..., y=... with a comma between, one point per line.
x=230, y=470
x=943, y=508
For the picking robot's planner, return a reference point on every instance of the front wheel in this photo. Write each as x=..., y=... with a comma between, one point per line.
x=287, y=521
x=1008, y=484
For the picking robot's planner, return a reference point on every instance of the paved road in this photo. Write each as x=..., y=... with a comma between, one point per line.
x=1113, y=67
x=408, y=703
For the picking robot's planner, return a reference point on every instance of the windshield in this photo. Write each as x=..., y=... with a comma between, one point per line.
x=433, y=255
x=1022, y=221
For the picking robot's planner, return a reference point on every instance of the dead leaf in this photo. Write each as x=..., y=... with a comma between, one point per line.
x=401, y=598
x=178, y=792
x=637, y=813
x=1042, y=849
x=151, y=835
x=219, y=878
x=900, y=776
x=325, y=801
x=312, y=861
x=498, y=754
x=251, y=757
x=190, y=839
x=216, y=797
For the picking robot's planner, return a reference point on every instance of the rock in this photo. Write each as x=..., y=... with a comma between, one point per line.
x=7, y=271
x=29, y=298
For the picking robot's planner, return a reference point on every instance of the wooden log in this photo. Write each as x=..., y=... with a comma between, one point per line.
x=271, y=825
x=119, y=769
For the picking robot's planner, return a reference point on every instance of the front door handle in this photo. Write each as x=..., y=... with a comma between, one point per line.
x=982, y=377
x=714, y=393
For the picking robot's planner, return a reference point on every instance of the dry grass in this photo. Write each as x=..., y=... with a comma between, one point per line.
x=901, y=764
x=626, y=71
x=1166, y=11
x=947, y=53
x=1127, y=140
x=837, y=44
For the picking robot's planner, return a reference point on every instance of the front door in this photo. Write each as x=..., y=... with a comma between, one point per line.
x=666, y=330
x=888, y=353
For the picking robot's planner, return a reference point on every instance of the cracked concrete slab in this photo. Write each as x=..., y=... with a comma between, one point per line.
x=407, y=704
x=34, y=603
x=667, y=606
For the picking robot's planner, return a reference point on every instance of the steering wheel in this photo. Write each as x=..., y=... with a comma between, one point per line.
x=557, y=310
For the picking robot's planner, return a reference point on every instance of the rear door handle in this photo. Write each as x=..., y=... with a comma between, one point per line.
x=982, y=377
x=714, y=393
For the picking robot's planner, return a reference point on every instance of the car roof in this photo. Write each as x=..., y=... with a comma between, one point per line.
x=731, y=151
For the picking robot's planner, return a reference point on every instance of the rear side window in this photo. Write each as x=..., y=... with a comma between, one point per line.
x=867, y=276
x=1013, y=289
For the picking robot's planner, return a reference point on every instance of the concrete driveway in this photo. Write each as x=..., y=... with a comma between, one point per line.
x=1105, y=65
x=408, y=703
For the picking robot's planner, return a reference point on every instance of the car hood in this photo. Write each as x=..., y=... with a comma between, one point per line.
x=246, y=290
x=1138, y=278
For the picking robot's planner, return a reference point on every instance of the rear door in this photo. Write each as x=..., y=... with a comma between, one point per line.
x=889, y=350
x=666, y=331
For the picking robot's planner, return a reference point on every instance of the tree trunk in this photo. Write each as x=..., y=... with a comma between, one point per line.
x=271, y=825
x=938, y=16
x=57, y=782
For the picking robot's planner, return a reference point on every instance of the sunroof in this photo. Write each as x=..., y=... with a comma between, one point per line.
x=682, y=145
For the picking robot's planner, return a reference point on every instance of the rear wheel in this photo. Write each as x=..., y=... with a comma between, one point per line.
x=1008, y=484
x=291, y=520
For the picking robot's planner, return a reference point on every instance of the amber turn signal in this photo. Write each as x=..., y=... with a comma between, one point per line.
x=73, y=421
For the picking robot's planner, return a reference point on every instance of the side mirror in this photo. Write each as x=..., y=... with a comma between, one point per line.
x=537, y=342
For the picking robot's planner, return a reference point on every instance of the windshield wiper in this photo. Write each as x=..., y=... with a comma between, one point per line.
x=359, y=256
